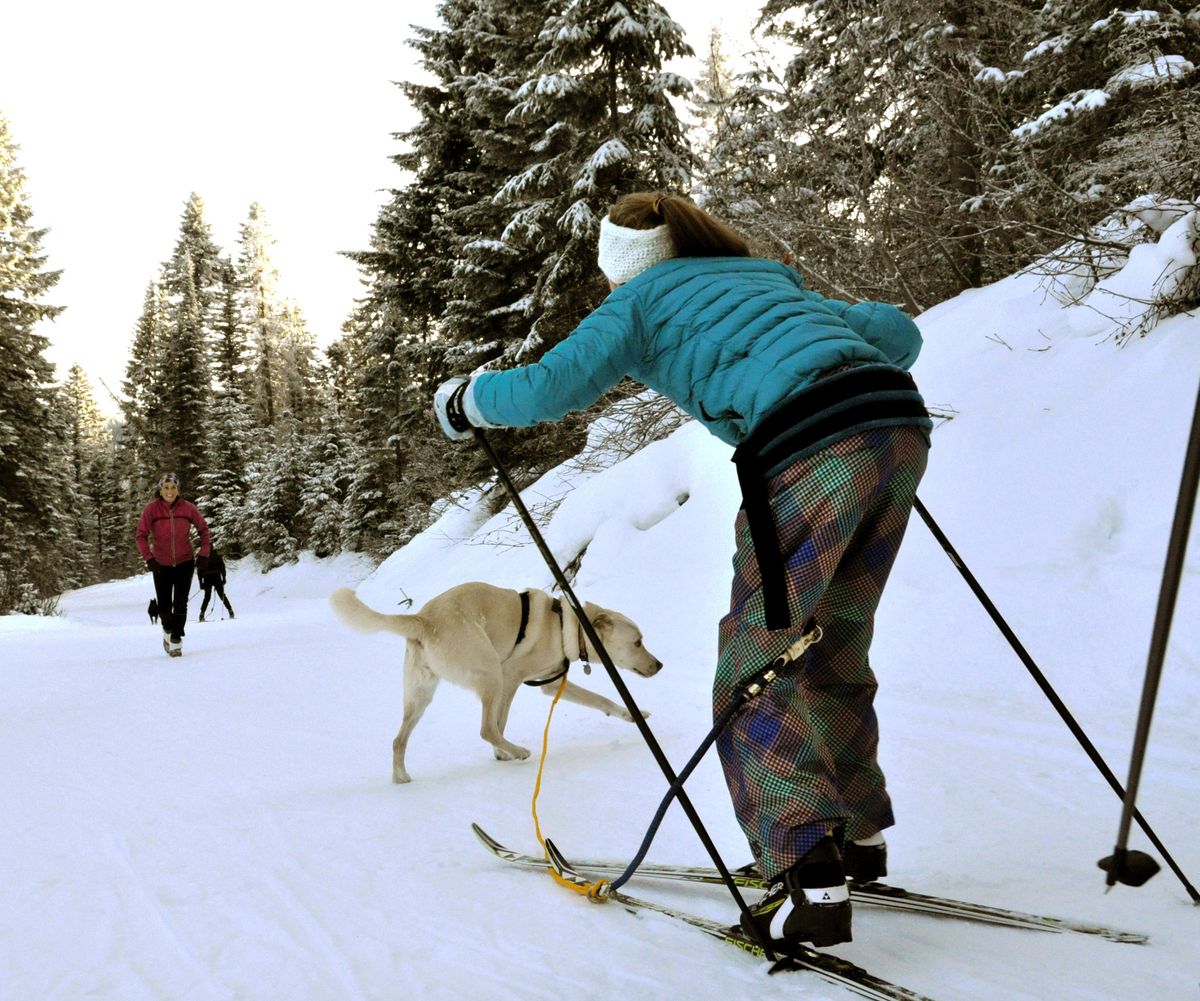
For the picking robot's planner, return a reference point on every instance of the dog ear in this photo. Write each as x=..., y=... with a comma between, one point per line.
x=602, y=622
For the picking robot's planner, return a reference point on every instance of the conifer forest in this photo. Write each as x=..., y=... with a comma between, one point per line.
x=897, y=150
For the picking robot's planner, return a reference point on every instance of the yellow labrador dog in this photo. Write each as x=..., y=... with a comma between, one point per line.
x=490, y=640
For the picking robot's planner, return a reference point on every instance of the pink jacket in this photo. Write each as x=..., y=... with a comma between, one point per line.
x=163, y=532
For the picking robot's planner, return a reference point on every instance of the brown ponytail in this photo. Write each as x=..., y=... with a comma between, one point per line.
x=694, y=231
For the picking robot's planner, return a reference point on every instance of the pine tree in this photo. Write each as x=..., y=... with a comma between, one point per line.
x=488, y=255
x=330, y=463
x=232, y=436
x=747, y=175
x=602, y=98
x=300, y=371
x=374, y=351
x=268, y=527
x=117, y=555
x=33, y=551
x=264, y=312
x=888, y=129
x=436, y=253
x=488, y=297
x=713, y=96
x=142, y=442
x=191, y=285
x=441, y=285
x=87, y=457
x=1106, y=105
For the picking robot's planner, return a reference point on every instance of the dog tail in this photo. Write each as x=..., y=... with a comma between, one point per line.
x=347, y=606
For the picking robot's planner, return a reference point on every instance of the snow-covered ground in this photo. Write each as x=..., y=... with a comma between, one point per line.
x=224, y=826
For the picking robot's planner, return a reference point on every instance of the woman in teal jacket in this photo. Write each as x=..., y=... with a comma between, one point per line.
x=831, y=438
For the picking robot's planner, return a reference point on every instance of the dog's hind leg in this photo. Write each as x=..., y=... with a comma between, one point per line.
x=419, y=685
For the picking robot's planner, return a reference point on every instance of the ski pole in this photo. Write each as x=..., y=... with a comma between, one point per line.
x=1052, y=695
x=626, y=697
x=1123, y=866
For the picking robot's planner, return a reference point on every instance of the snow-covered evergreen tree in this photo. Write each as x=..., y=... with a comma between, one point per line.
x=265, y=314
x=374, y=363
x=86, y=447
x=1106, y=109
x=436, y=257
x=712, y=98
x=116, y=552
x=888, y=134
x=191, y=284
x=33, y=549
x=747, y=175
x=601, y=96
x=141, y=443
x=489, y=293
x=300, y=372
x=232, y=434
x=330, y=461
x=267, y=524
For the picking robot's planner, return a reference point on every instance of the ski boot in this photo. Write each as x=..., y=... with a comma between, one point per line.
x=865, y=860
x=809, y=902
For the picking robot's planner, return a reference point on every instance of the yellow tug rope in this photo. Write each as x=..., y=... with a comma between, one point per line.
x=595, y=892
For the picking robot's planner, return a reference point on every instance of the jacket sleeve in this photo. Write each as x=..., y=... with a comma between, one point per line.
x=143, y=532
x=883, y=326
x=571, y=376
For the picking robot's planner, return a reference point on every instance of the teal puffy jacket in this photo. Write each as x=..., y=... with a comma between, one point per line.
x=728, y=339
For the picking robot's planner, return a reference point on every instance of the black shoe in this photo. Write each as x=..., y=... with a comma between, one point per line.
x=864, y=863
x=809, y=902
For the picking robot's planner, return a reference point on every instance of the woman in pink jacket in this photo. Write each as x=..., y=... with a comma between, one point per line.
x=164, y=540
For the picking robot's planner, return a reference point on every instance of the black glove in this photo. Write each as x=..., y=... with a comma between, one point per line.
x=152, y=610
x=152, y=565
x=201, y=565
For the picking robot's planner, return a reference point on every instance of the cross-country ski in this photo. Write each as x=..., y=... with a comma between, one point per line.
x=880, y=895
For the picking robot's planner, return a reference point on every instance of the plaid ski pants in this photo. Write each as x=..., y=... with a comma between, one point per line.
x=799, y=759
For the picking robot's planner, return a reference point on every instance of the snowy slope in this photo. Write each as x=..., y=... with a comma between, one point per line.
x=224, y=826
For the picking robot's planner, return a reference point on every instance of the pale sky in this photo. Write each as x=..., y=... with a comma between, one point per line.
x=121, y=110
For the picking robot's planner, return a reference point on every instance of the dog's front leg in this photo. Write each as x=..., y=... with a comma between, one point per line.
x=496, y=702
x=581, y=696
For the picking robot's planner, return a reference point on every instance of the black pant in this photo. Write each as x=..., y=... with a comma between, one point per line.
x=208, y=586
x=171, y=586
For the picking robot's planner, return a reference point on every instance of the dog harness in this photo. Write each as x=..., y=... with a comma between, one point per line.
x=556, y=605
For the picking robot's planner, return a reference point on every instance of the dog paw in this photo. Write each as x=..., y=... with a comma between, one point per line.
x=626, y=715
x=400, y=778
x=512, y=752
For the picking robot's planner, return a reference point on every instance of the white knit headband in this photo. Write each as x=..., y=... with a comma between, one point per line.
x=626, y=252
